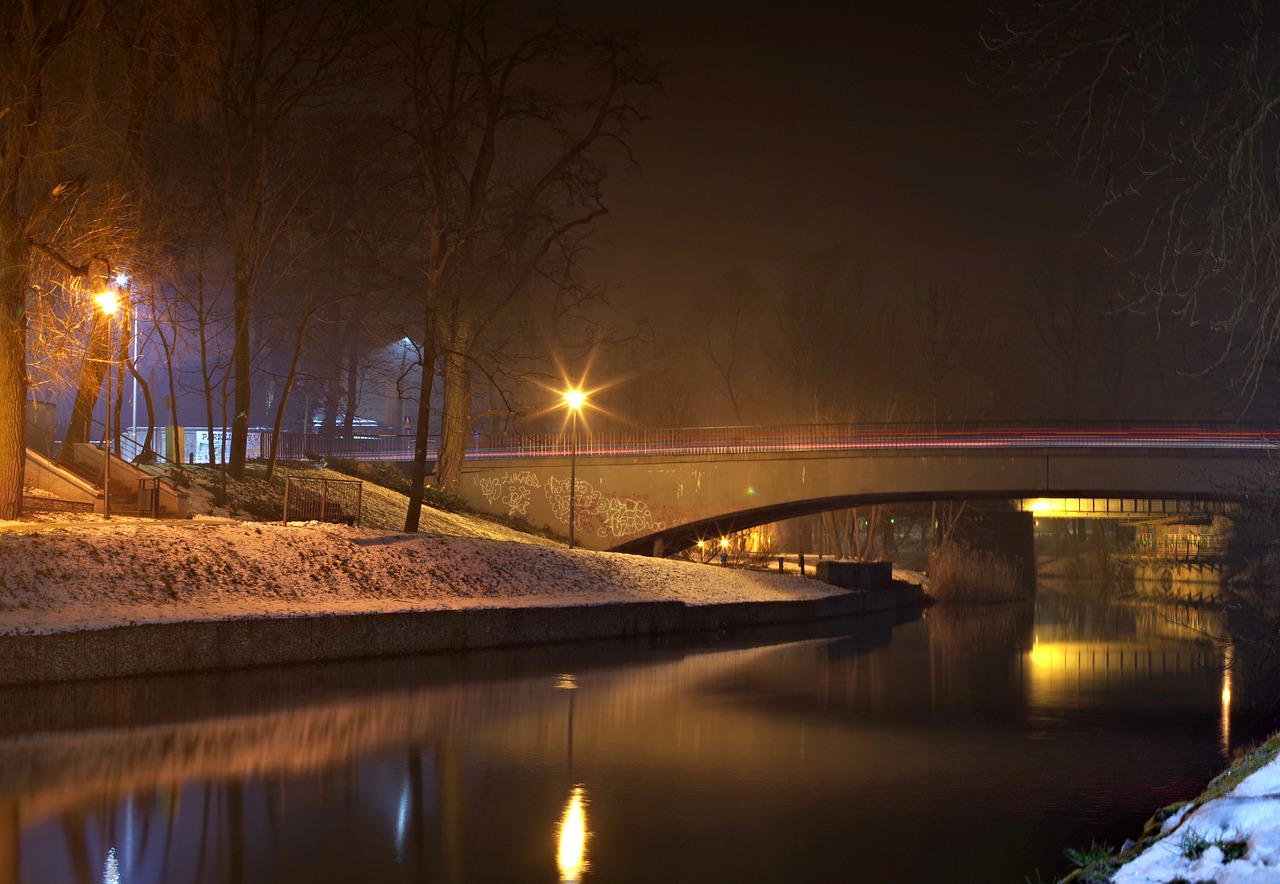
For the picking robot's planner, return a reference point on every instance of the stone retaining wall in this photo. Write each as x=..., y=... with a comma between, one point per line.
x=150, y=649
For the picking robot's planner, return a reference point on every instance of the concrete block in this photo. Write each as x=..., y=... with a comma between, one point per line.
x=856, y=575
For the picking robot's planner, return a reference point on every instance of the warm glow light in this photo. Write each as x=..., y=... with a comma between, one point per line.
x=724, y=543
x=1043, y=656
x=574, y=398
x=1040, y=505
x=572, y=855
x=702, y=544
x=1228, y=659
x=107, y=302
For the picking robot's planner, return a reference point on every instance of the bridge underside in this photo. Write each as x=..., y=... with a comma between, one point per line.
x=647, y=505
x=684, y=536
x=1118, y=507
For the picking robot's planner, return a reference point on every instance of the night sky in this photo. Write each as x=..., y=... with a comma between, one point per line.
x=858, y=127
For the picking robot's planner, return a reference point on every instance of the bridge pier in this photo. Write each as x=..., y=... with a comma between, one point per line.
x=1011, y=535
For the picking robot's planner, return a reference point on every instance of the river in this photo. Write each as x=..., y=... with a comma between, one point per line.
x=961, y=745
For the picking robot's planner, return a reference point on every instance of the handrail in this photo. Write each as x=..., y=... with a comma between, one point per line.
x=797, y=438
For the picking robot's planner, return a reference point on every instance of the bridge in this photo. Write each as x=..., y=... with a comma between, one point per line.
x=659, y=491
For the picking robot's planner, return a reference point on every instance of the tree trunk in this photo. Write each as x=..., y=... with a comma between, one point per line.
x=206, y=375
x=353, y=376
x=117, y=403
x=13, y=377
x=832, y=530
x=90, y=383
x=287, y=387
x=147, y=455
x=240, y=369
x=456, y=426
x=418, y=478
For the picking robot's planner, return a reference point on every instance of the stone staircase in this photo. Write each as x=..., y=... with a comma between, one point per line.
x=130, y=488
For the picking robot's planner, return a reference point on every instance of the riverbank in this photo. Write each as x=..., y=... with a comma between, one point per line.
x=94, y=599
x=1229, y=834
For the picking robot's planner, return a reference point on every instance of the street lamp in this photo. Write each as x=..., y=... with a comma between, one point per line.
x=108, y=304
x=123, y=284
x=573, y=400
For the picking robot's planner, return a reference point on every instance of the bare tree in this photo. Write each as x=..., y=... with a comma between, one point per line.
x=78, y=83
x=280, y=60
x=826, y=347
x=1169, y=109
x=507, y=125
x=956, y=348
x=32, y=46
x=728, y=330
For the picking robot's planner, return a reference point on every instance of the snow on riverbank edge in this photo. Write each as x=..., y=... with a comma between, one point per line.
x=1230, y=834
x=96, y=574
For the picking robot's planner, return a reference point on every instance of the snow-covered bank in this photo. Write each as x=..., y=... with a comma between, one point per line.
x=1228, y=835
x=93, y=574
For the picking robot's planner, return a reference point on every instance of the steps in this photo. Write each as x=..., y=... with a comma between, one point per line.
x=86, y=463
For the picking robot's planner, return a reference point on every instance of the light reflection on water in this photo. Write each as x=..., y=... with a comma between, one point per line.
x=571, y=855
x=973, y=744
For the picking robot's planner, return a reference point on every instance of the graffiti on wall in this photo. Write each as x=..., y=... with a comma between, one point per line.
x=609, y=515
x=512, y=490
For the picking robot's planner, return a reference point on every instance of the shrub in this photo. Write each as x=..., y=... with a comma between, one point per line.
x=346, y=465
x=387, y=475
x=958, y=573
x=446, y=499
x=384, y=474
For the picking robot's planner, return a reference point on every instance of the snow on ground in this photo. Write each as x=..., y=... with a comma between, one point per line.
x=69, y=573
x=1202, y=845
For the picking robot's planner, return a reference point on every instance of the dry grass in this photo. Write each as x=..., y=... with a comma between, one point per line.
x=256, y=499
x=960, y=574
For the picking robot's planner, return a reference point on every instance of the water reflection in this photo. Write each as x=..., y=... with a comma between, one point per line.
x=1228, y=663
x=571, y=855
x=1003, y=733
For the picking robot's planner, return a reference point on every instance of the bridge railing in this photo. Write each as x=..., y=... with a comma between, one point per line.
x=845, y=437
x=721, y=441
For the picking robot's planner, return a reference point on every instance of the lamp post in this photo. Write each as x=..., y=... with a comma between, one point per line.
x=107, y=303
x=123, y=283
x=573, y=400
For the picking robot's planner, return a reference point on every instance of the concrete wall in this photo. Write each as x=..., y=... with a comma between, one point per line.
x=234, y=644
x=40, y=472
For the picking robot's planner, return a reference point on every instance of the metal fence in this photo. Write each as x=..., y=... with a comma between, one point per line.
x=322, y=500
x=793, y=438
x=149, y=497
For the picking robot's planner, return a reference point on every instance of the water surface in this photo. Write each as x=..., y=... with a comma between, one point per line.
x=969, y=745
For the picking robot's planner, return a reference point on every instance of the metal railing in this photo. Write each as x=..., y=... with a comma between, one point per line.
x=1175, y=549
x=796, y=438
x=322, y=500
x=149, y=497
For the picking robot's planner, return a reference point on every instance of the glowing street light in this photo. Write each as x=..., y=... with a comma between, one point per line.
x=108, y=304
x=574, y=399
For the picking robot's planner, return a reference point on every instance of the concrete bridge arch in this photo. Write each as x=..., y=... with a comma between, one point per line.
x=662, y=501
